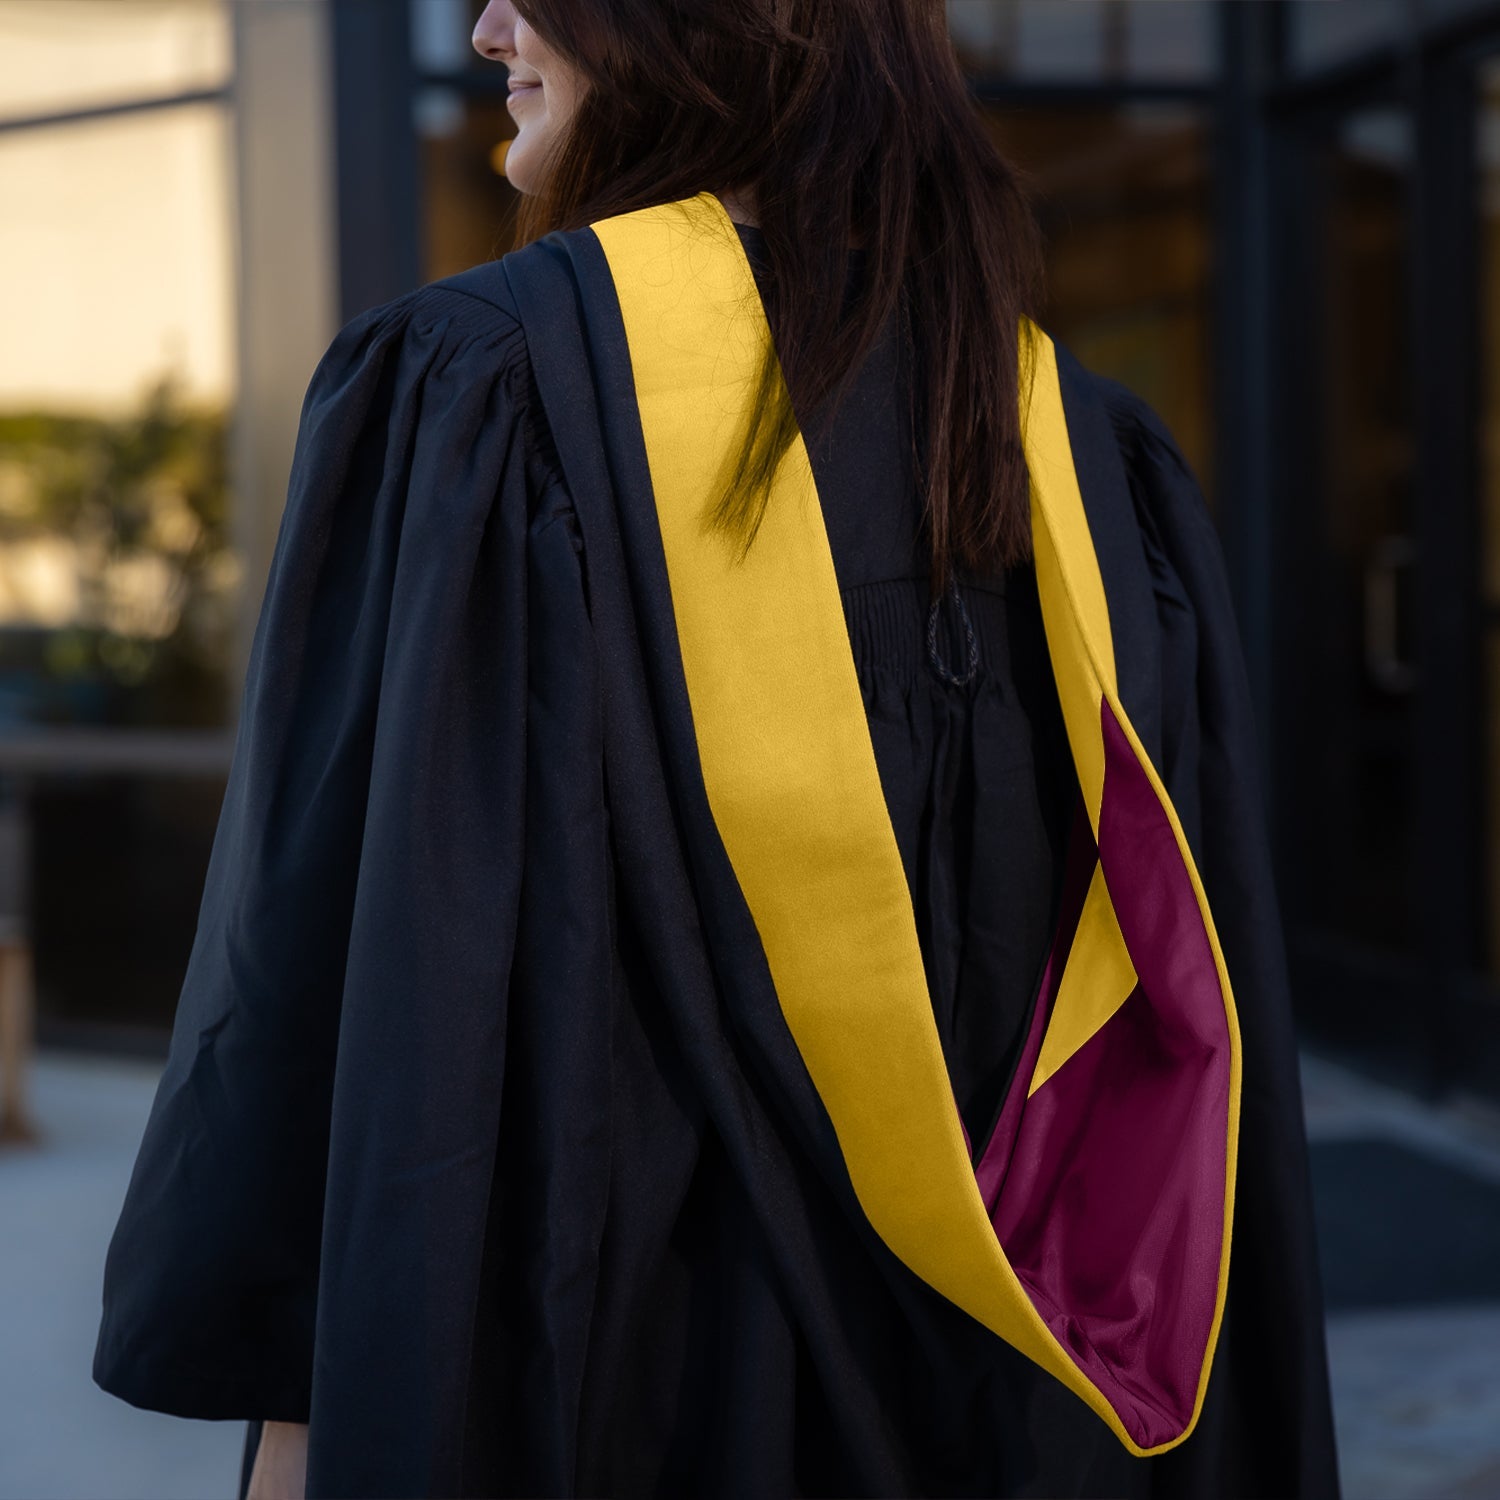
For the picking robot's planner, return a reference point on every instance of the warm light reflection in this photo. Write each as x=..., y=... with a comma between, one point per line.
x=59, y=55
x=40, y=581
x=115, y=260
x=118, y=577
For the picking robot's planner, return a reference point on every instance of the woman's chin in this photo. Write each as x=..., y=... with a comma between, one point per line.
x=519, y=170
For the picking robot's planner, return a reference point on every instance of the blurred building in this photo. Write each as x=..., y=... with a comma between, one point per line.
x=1280, y=222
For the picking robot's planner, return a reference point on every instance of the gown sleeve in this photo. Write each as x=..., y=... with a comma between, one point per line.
x=1267, y=1425
x=344, y=996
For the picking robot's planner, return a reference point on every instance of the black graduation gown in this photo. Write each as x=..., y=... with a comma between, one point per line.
x=482, y=1144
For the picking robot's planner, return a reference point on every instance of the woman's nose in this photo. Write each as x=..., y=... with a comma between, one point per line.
x=495, y=30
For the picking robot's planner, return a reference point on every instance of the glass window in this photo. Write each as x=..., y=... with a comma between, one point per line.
x=469, y=203
x=115, y=245
x=1487, y=149
x=440, y=35
x=463, y=129
x=983, y=31
x=1358, y=696
x=1443, y=10
x=62, y=55
x=1322, y=33
x=120, y=586
x=1172, y=41
x=1144, y=41
x=1123, y=195
x=1085, y=39
x=117, y=578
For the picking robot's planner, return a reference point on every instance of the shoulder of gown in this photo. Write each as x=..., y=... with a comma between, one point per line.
x=459, y=340
x=426, y=575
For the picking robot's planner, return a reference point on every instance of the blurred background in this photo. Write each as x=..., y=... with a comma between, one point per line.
x=1278, y=220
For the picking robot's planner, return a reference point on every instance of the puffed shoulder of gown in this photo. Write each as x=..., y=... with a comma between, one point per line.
x=465, y=1151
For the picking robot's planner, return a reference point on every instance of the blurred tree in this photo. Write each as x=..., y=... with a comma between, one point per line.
x=118, y=580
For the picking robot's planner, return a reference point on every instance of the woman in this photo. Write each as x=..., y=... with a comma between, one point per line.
x=739, y=956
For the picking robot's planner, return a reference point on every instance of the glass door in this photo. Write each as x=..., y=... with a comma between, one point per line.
x=1479, y=986
x=1349, y=686
x=1388, y=523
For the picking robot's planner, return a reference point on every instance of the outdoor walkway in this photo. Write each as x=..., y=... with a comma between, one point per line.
x=1409, y=1225
x=61, y=1437
x=1414, y=1330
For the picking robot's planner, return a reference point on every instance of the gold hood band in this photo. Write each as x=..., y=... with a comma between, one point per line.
x=793, y=786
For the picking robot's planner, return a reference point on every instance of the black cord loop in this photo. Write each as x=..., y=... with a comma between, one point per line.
x=933, y=657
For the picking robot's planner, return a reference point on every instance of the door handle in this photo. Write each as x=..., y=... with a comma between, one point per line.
x=1383, y=659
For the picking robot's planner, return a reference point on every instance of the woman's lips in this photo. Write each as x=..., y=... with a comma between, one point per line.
x=522, y=88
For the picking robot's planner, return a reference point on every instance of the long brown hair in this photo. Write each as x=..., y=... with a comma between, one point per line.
x=841, y=118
